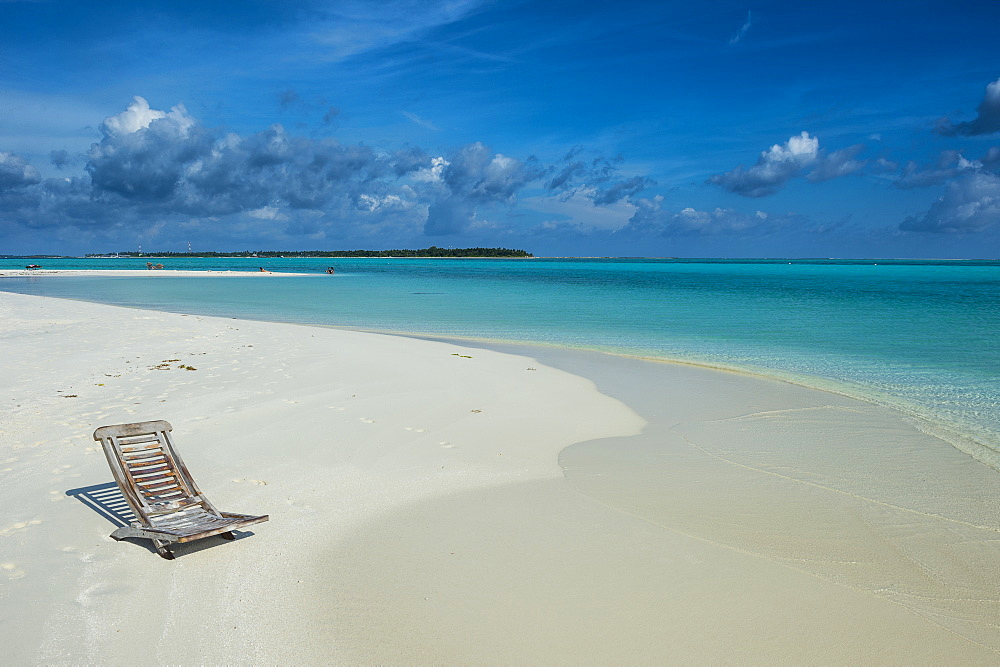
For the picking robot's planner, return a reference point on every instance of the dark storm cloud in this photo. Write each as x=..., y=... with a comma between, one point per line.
x=410, y=159
x=175, y=165
x=155, y=167
x=163, y=172
x=16, y=173
x=60, y=158
x=986, y=122
x=146, y=165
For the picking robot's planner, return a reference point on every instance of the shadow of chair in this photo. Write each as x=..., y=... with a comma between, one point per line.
x=107, y=500
x=109, y=503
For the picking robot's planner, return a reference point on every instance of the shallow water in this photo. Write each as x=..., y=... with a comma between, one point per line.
x=919, y=335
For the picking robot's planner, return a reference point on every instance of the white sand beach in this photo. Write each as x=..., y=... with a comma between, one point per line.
x=437, y=503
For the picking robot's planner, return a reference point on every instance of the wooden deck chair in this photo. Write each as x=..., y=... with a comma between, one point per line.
x=159, y=489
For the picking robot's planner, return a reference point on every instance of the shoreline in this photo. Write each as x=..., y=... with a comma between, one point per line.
x=981, y=444
x=643, y=497
x=589, y=508
x=960, y=436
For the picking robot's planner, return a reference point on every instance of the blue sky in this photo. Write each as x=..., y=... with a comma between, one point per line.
x=698, y=129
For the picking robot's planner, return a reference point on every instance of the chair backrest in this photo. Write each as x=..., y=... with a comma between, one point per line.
x=152, y=476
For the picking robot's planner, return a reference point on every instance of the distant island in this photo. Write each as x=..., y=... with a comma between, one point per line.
x=36, y=257
x=432, y=251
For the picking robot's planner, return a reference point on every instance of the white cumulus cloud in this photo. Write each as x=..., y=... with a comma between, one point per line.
x=653, y=219
x=970, y=203
x=139, y=116
x=799, y=156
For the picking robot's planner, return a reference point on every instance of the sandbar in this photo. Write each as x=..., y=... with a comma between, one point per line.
x=139, y=273
x=437, y=502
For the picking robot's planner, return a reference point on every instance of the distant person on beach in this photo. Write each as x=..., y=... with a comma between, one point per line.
x=263, y=270
x=329, y=270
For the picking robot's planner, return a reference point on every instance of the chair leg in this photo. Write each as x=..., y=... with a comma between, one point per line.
x=161, y=548
x=121, y=533
x=227, y=535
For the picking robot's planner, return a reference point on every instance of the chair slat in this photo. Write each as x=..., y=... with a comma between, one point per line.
x=138, y=445
x=149, y=455
x=158, y=482
x=156, y=475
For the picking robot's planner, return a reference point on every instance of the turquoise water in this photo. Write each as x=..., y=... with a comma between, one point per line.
x=921, y=336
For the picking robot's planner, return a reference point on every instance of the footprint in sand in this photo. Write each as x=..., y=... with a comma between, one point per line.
x=447, y=445
x=18, y=527
x=367, y=421
x=415, y=430
x=11, y=570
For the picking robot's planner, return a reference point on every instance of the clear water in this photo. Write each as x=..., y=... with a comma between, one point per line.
x=920, y=335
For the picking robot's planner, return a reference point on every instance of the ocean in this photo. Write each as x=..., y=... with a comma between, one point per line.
x=919, y=336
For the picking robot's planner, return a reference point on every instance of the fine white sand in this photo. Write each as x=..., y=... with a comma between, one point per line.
x=420, y=511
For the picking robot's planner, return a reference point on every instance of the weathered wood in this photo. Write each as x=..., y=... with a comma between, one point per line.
x=159, y=489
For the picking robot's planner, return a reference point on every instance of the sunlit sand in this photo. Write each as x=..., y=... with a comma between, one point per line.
x=433, y=503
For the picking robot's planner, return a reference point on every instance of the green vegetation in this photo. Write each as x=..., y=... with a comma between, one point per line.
x=433, y=251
